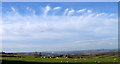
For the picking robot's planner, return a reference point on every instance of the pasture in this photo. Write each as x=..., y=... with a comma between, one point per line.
x=105, y=59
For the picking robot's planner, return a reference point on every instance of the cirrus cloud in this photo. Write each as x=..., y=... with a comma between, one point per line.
x=56, y=8
x=65, y=27
x=71, y=12
x=46, y=10
x=81, y=10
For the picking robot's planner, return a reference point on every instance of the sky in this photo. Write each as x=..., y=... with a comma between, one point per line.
x=59, y=26
x=60, y=0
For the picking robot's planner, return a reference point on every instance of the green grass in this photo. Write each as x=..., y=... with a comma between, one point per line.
x=31, y=58
x=0, y=58
x=61, y=60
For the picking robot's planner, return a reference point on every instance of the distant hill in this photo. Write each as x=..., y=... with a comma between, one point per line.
x=99, y=51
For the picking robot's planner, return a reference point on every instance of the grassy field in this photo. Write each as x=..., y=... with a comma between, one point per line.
x=95, y=60
x=60, y=60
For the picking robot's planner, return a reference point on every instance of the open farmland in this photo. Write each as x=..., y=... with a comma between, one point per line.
x=30, y=59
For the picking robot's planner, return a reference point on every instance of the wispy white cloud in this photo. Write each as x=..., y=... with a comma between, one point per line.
x=81, y=10
x=89, y=11
x=56, y=8
x=46, y=10
x=71, y=12
x=66, y=10
x=31, y=10
x=36, y=27
x=100, y=14
x=14, y=10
